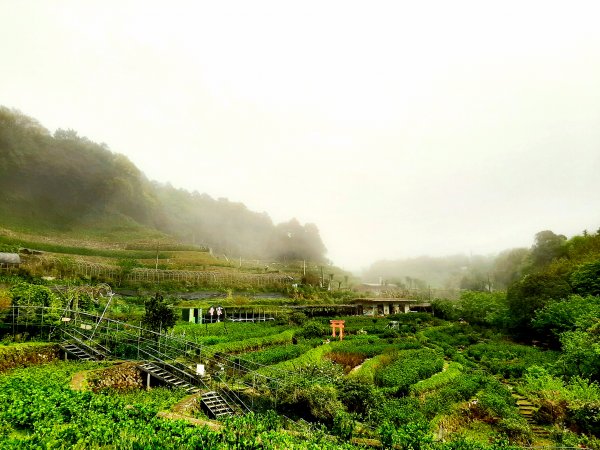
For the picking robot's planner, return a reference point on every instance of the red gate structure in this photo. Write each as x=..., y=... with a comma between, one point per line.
x=337, y=324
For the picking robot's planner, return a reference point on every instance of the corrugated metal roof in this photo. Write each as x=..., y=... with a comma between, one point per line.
x=10, y=258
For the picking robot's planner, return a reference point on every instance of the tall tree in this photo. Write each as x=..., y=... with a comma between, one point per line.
x=159, y=314
x=547, y=247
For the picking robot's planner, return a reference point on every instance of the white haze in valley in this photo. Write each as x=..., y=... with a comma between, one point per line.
x=399, y=128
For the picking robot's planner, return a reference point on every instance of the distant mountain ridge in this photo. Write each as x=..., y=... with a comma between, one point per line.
x=63, y=181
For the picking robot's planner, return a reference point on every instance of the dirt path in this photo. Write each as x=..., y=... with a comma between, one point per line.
x=78, y=381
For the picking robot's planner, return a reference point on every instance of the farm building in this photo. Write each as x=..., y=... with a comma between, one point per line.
x=9, y=261
x=385, y=306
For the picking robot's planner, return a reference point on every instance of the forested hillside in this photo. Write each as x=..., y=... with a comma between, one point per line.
x=492, y=272
x=553, y=292
x=64, y=182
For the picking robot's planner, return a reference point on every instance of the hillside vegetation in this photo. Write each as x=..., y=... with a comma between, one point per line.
x=62, y=183
x=486, y=273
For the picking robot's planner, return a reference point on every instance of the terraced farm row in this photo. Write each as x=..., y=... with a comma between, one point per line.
x=406, y=380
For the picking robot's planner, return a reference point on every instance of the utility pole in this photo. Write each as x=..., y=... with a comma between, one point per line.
x=156, y=266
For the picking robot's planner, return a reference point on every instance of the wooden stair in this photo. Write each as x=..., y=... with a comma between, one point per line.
x=215, y=405
x=167, y=377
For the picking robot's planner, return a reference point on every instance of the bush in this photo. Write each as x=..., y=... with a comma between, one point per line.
x=531, y=293
x=399, y=411
x=460, y=389
x=586, y=279
x=276, y=354
x=445, y=309
x=409, y=367
x=297, y=318
x=566, y=315
x=312, y=329
x=510, y=360
x=314, y=402
x=438, y=380
x=343, y=425
x=387, y=434
x=358, y=397
x=414, y=436
x=516, y=428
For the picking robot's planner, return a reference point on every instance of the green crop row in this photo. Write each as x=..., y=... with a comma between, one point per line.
x=312, y=356
x=85, y=251
x=275, y=355
x=508, y=359
x=438, y=380
x=251, y=344
x=366, y=372
x=39, y=410
x=217, y=333
x=409, y=367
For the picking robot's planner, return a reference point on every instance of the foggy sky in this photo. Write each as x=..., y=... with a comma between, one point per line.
x=399, y=128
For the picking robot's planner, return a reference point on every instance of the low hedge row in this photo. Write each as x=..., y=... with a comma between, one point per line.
x=22, y=355
x=409, y=367
x=437, y=380
x=251, y=344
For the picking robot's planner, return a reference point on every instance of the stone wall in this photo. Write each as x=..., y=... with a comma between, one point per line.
x=23, y=355
x=121, y=377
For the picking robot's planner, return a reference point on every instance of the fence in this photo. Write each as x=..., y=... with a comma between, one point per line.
x=63, y=267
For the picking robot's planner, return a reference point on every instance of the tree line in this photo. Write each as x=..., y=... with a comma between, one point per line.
x=66, y=182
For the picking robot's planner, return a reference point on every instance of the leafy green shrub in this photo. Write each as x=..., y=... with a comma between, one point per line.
x=313, y=357
x=581, y=396
x=508, y=359
x=409, y=367
x=312, y=329
x=356, y=396
x=251, y=344
x=586, y=279
x=414, y=436
x=450, y=336
x=460, y=389
x=343, y=425
x=297, y=318
x=531, y=293
x=398, y=411
x=516, y=428
x=277, y=354
x=567, y=315
x=390, y=333
x=486, y=308
x=438, y=380
x=581, y=352
x=300, y=397
x=366, y=372
x=387, y=434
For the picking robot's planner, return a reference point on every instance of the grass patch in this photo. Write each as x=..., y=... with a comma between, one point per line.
x=83, y=251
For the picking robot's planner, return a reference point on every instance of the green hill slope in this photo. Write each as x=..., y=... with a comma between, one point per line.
x=64, y=183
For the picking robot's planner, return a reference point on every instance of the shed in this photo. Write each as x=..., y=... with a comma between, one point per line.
x=9, y=261
x=384, y=306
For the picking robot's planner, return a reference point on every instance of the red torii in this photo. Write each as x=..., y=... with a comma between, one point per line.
x=337, y=324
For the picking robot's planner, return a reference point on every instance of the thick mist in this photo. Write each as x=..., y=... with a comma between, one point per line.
x=399, y=129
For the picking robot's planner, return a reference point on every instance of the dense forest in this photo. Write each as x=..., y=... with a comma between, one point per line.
x=65, y=182
x=552, y=295
x=484, y=273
